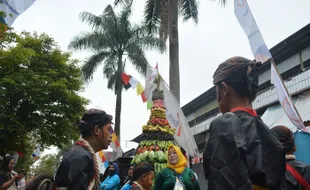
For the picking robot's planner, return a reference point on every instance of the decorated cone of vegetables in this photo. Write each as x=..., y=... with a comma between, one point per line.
x=156, y=137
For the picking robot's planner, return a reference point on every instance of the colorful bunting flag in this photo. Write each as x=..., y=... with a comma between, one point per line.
x=102, y=156
x=139, y=89
x=36, y=154
x=143, y=97
x=133, y=82
x=125, y=78
x=149, y=104
x=21, y=154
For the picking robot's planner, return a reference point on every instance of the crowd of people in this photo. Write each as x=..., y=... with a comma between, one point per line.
x=242, y=153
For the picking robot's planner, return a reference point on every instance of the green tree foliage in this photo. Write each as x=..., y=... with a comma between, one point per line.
x=112, y=40
x=46, y=165
x=39, y=89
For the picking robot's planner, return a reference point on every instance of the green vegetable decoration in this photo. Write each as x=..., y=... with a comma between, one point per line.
x=156, y=137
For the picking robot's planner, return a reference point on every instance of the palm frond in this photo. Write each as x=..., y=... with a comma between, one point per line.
x=189, y=9
x=123, y=2
x=223, y=2
x=152, y=43
x=110, y=66
x=108, y=12
x=91, y=65
x=152, y=15
x=90, y=40
x=91, y=19
x=137, y=57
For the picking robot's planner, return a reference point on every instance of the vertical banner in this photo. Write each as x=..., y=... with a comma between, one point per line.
x=285, y=99
x=262, y=54
x=249, y=26
x=174, y=114
x=14, y=8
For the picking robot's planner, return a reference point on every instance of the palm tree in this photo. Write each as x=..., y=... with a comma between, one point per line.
x=112, y=40
x=163, y=15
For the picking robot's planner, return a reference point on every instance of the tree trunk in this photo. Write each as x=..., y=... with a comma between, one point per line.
x=118, y=92
x=118, y=109
x=174, y=69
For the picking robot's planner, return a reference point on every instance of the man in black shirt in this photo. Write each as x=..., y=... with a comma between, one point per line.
x=241, y=153
x=79, y=167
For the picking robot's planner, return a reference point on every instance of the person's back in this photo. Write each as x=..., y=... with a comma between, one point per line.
x=76, y=163
x=242, y=152
x=286, y=137
x=79, y=167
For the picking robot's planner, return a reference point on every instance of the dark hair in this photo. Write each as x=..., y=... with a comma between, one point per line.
x=140, y=170
x=240, y=74
x=285, y=136
x=6, y=162
x=42, y=182
x=91, y=119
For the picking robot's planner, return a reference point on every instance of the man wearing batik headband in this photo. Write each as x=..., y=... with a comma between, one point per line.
x=241, y=153
x=79, y=167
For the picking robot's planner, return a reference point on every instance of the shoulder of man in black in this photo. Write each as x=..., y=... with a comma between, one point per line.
x=77, y=159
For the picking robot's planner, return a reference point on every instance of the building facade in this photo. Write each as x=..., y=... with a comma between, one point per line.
x=292, y=57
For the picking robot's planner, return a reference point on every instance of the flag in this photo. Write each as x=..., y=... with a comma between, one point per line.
x=115, y=145
x=174, y=114
x=16, y=156
x=20, y=154
x=36, y=154
x=14, y=8
x=103, y=163
x=262, y=54
x=125, y=78
x=139, y=89
x=133, y=82
x=149, y=103
x=249, y=26
x=154, y=74
x=285, y=100
x=143, y=97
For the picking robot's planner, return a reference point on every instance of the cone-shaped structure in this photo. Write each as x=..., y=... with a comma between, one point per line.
x=156, y=137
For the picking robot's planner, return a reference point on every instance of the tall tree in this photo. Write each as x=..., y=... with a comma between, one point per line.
x=112, y=40
x=39, y=89
x=162, y=16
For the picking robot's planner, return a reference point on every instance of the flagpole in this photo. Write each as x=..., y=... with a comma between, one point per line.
x=289, y=96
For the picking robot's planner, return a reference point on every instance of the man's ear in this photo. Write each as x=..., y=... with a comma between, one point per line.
x=224, y=88
x=97, y=131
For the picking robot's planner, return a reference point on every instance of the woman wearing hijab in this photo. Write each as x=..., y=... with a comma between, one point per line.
x=241, y=153
x=8, y=177
x=142, y=177
x=128, y=178
x=286, y=137
x=176, y=175
x=112, y=182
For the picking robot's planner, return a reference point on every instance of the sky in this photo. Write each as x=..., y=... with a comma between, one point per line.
x=217, y=37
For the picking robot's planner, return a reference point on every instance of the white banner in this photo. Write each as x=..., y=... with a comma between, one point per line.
x=175, y=116
x=285, y=100
x=262, y=54
x=249, y=26
x=14, y=8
